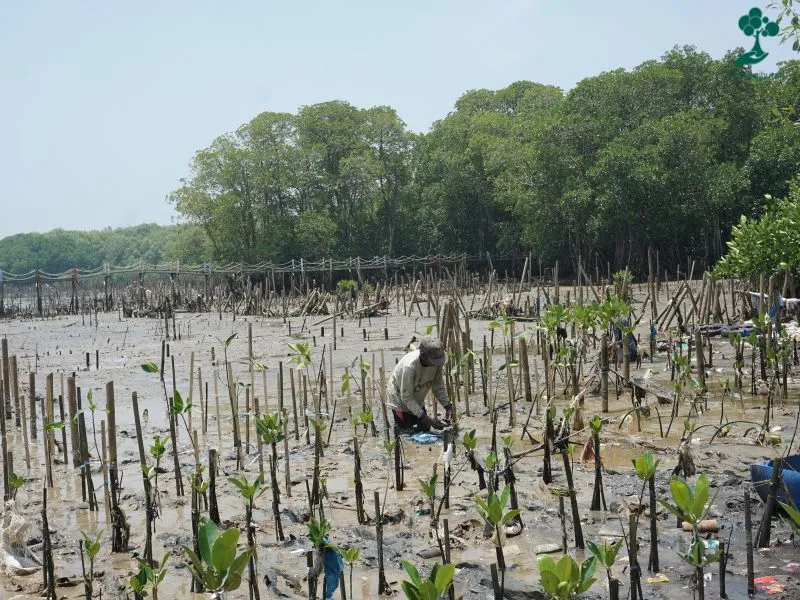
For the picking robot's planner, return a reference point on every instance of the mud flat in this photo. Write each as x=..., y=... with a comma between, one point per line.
x=120, y=347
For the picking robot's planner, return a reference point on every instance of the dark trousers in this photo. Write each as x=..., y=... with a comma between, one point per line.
x=409, y=423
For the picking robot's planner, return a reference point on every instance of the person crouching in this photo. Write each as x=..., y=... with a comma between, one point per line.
x=415, y=374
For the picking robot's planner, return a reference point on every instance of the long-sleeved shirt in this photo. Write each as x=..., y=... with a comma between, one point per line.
x=410, y=382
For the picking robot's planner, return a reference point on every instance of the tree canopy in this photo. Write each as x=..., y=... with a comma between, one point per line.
x=59, y=250
x=667, y=155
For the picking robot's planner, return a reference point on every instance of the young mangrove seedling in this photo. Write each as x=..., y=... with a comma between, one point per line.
x=148, y=578
x=92, y=548
x=645, y=467
x=565, y=579
x=326, y=556
x=493, y=512
x=434, y=587
x=351, y=556
x=16, y=482
x=692, y=504
x=250, y=492
x=218, y=568
x=606, y=554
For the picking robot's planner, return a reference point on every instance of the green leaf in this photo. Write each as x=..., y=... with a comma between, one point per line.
x=792, y=512
x=700, y=496
x=224, y=549
x=549, y=581
x=428, y=590
x=230, y=339
x=410, y=590
x=681, y=494
x=444, y=576
x=412, y=572
x=150, y=367
x=208, y=535
x=510, y=515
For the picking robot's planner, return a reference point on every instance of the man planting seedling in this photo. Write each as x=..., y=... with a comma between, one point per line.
x=418, y=372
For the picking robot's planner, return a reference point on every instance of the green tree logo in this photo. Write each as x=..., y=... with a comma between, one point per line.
x=757, y=25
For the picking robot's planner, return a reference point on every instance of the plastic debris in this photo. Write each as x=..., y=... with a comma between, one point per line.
x=425, y=437
x=768, y=584
x=659, y=578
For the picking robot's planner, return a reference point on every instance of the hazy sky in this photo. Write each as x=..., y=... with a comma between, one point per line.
x=103, y=104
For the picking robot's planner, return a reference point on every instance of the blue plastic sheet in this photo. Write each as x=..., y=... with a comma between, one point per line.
x=426, y=437
x=332, y=561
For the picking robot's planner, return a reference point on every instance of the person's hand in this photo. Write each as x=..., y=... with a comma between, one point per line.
x=448, y=414
x=434, y=422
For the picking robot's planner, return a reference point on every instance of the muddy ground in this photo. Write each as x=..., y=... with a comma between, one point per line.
x=58, y=346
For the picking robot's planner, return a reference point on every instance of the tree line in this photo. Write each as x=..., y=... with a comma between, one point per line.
x=668, y=155
x=59, y=250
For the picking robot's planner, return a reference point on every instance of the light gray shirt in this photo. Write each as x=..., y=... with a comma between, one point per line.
x=410, y=382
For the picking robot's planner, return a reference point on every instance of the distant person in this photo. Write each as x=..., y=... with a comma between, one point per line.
x=414, y=375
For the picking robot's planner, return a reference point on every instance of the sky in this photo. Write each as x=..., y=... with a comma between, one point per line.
x=103, y=104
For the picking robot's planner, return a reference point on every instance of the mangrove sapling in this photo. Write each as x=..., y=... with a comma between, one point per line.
x=645, y=467
x=494, y=514
x=351, y=556
x=434, y=587
x=148, y=578
x=92, y=548
x=199, y=487
x=318, y=532
x=270, y=427
x=250, y=492
x=606, y=555
x=691, y=504
x=565, y=579
x=157, y=450
x=429, y=491
x=16, y=482
x=598, y=495
x=217, y=567
x=470, y=442
x=793, y=518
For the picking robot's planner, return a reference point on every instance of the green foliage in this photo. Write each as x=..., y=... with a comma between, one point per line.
x=789, y=20
x=16, y=481
x=148, y=578
x=766, y=245
x=645, y=466
x=249, y=490
x=217, y=567
x=318, y=531
x=596, y=424
x=58, y=251
x=364, y=418
x=92, y=545
x=150, y=367
x=179, y=406
x=606, y=554
x=346, y=285
x=433, y=588
x=429, y=486
x=159, y=447
x=794, y=516
x=690, y=503
x=469, y=440
x=492, y=510
x=301, y=354
x=565, y=579
x=270, y=427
